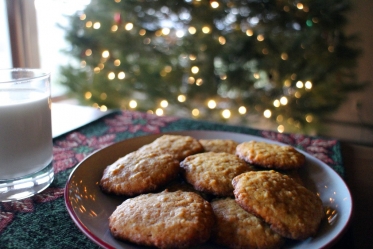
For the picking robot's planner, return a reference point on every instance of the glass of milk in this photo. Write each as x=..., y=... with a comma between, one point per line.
x=25, y=133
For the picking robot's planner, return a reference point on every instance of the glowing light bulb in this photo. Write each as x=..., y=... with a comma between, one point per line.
x=226, y=113
x=128, y=26
x=164, y=103
x=159, y=112
x=181, y=98
x=105, y=54
x=121, y=75
x=242, y=110
x=195, y=112
x=267, y=113
x=211, y=104
x=132, y=104
x=195, y=69
x=284, y=100
x=111, y=76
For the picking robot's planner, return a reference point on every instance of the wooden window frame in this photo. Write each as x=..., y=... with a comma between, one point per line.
x=23, y=33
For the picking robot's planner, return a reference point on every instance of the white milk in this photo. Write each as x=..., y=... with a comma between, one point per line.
x=25, y=133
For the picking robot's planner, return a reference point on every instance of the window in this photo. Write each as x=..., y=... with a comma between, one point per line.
x=37, y=40
x=5, y=55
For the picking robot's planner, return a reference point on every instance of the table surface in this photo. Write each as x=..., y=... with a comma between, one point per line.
x=23, y=223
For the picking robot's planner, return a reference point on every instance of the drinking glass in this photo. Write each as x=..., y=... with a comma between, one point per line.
x=25, y=133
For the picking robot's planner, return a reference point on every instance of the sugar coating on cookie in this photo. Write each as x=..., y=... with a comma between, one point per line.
x=219, y=145
x=165, y=220
x=236, y=228
x=177, y=145
x=212, y=172
x=138, y=173
x=291, y=210
x=270, y=156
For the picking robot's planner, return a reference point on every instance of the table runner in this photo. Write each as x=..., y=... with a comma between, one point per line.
x=42, y=221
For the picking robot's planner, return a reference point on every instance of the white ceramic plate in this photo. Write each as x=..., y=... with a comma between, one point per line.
x=90, y=209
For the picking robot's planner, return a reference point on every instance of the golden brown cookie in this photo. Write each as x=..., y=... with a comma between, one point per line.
x=270, y=156
x=138, y=173
x=291, y=210
x=212, y=172
x=165, y=220
x=177, y=145
x=236, y=228
x=219, y=145
x=180, y=185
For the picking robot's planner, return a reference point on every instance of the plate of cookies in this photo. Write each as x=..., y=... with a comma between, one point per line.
x=207, y=189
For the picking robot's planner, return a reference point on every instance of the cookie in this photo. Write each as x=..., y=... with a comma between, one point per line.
x=219, y=145
x=291, y=210
x=236, y=228
x=180, y=185
x=212, y=172
x=271, y=156
x=138, y=173
x=165, y=220
x=177, y=145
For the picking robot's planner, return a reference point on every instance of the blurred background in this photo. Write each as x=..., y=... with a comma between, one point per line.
x=290, y=66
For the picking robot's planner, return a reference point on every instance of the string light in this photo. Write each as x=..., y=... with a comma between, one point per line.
x=284, y=56
x=242, y=110
x=105, y=54
x=280, y=128
x=103, y=96
x=159, y=112
x=132, y=104
x=180, y=33
x=206, y=29
x=121, y=75
x=164, y=103
x=214, y=4
x=114, y=28
x=111, y=76
x=299, y=84
x=284, y=100
x=181, y=98
x=88, y=95
x=211, y=104
x=222, y=40
x=191, y=80
x=192, y=30
x=194, y=69
x=195, y=112
x=276, y=103
x=309, y=118
x=128, y=26
x=97, y=25
x=226, y=113
x=249, y=32
x=117, y=62
x=308, y=85
x=267, y=113
x=166, y=31
x=103, y=108
x=88, y=52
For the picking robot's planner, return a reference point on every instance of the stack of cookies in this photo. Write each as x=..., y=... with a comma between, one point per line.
x=183, y=192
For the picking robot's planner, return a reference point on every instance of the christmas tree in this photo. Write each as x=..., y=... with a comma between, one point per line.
x=237, y=60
